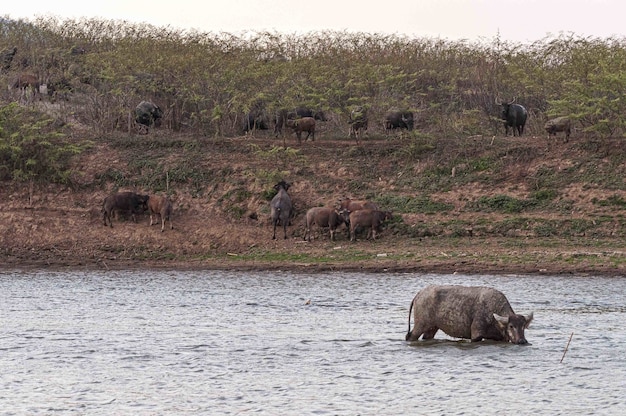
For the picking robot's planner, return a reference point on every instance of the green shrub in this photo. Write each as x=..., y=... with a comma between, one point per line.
x=32, y=148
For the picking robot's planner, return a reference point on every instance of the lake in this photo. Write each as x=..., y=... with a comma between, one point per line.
x=215, y=342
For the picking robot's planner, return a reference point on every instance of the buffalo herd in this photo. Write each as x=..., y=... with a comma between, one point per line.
x=302, y=119
x=356, y=215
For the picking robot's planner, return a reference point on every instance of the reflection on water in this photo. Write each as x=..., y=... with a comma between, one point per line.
x=283, y=343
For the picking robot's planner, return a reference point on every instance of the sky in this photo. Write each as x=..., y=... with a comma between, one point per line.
x=520, y=21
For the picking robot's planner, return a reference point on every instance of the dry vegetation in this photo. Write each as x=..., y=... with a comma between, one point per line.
x=465, y=198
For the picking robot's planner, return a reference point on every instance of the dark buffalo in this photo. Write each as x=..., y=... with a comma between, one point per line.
x=59, y=88
x=160, y=206
x=255, y=120
x=148, y=114
x=474, y=313
x=304, y=124
x=398, y=119
x=257, y=117
x=371, y=219
x=283, y=115
x=558, y=124
x=128, y=202
x=358, y=122
x=323, y=217
x=6, y=57
x=280, y=207
x=514, y=116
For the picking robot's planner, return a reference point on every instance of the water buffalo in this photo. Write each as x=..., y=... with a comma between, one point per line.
x=280, y=207
x=6, y=57
x=474, y=313
x=148, y=114
x=160, y=206
x=358, y=122
x=255, y=120
x=355, y=205
x=283, y=115
x=558, y=124
x=323, y=217
x=303, y=124
x=398, y=119
x=257, y=117
x=27, y=84
x=514, y=116
x=123, y=201
x=367, y=218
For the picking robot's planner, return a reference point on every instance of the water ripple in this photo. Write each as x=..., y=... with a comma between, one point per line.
x=282, y=343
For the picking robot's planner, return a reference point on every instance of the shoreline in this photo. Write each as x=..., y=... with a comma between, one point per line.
x=374, y=266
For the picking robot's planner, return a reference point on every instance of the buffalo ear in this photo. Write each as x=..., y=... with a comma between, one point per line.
x=502, y=321
x=529, y=319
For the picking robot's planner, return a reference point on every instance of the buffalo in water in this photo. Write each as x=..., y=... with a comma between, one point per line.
x=474, y=313
x=514, y=116
x=398, y=119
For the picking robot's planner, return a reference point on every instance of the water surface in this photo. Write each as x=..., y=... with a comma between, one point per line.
x=147, y=343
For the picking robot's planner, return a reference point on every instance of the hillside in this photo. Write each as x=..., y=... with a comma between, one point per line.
x=478, y=204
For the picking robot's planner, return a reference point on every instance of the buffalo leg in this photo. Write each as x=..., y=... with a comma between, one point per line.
x=430, y=333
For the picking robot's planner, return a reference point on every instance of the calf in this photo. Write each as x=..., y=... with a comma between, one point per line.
x=303, y=124
x=282, y=115
x=160, y=206
x=367, y=218
x=558, y=124
x=323, y=217
x=123, y=201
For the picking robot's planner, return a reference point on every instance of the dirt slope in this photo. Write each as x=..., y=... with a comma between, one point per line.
x=53, y=226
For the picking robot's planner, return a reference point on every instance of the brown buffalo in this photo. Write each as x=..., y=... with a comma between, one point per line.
x=355, y=205
x=474, y=313
x=367, y=218
x=323, y=217
x=304, y=124
x=160, y=206
x=28, y=86
x=124, y=202
x=283, y=115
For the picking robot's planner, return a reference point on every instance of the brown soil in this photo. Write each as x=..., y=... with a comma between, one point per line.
x=55, y=227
